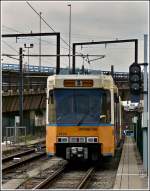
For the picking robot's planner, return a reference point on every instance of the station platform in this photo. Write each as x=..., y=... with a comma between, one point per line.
x=130, y=174
x=9, y=147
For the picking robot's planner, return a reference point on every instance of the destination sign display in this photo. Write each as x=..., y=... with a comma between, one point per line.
x=78, y=83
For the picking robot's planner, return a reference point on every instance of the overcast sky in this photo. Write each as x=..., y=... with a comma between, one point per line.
x=90, y=21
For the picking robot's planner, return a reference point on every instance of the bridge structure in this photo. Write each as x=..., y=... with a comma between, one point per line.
x=34, y=90
x=34, y=85
x=33, y=75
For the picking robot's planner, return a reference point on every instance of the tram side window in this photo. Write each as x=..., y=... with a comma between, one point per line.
x=105, y=116
x=116, y=110
x=52, y=109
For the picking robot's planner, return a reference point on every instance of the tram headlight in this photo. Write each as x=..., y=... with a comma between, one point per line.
x=62, y=139
x=92, y=139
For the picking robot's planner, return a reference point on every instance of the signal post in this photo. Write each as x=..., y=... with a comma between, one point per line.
x=135, y=84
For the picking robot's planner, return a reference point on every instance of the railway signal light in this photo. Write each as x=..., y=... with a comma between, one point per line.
x=135, y=79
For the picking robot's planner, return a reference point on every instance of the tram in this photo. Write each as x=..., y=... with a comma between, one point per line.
x=83, y=116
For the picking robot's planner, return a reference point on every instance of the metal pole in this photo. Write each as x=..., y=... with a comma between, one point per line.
x=25, y=135
x=136, y=132
x=15, y=133
x=21, y=88
x=28, y=59
x=136, y=51
x=58, y=53
x=6, y=135
x=69, y=35
x=73, y=59
x=145, y=113
x=1, y=97
x=112, y=71
x=40, y=44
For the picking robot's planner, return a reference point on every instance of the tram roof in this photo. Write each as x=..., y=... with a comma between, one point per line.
x=99, y=81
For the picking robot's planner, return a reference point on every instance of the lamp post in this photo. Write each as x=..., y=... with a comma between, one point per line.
x=40, y=45
x=69, y=35
x=28, y=47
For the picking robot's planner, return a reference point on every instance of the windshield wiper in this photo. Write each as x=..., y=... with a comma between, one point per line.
x=82, y=119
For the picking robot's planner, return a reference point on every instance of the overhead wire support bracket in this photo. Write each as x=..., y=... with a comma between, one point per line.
x=53, y=55
x=103, y=56
x=57, y=34
x=135, y=41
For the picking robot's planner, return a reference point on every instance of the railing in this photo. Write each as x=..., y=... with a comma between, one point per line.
x=118, y=76
x=121, y=76
x=14, y=67
x=45, y=69
x=26, y=68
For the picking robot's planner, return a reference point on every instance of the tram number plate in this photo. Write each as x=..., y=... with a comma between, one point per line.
x=87, y=129
x=62, y=134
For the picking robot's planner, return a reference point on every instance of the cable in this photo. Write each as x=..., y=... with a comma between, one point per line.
x=103, y=56
x=53, y=44
x=12, y=57
x=45, y=22
x=10, y=46
x=49, y=25
x=10, y=28
x=75, y=34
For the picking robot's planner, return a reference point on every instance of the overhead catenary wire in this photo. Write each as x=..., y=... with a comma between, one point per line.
x=10, y=46
x=53, y=44
x=45, y=22
x=49, y=25
x=54, y=55
x=102, y=56
x=12, y=29
x=83, y=35
x=12, y=57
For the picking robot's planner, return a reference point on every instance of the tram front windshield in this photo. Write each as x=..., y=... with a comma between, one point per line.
x=79, y=106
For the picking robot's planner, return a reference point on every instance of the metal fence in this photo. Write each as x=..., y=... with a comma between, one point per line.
x=15, y=135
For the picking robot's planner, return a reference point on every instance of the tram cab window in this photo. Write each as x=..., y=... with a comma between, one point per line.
x=51, y=96
x=52, y=108
x=79, y=106
x=105, y=116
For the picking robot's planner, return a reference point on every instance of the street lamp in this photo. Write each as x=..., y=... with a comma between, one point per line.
x=69, y=35
x=28, y=47
x=40, y=44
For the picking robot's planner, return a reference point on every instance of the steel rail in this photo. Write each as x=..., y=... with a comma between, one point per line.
x=51, y=178
x=85, y=178
x=14, y=165
x=19, y=154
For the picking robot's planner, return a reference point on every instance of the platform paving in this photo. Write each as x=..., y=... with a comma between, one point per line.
x=130, y=174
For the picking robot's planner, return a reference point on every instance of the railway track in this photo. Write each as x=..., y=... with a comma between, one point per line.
x=19, y=148
x=55, y=164
x=21, y=158
x=77, y=175
x=66, y=177
x=10, y=157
